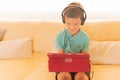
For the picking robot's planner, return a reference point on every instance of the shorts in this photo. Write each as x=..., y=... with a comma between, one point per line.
x=73, y=74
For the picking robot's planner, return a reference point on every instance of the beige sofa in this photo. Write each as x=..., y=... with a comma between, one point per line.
x=104, y=49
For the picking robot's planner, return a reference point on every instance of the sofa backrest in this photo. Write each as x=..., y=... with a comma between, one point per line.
x=103, y=31
x=44, y=33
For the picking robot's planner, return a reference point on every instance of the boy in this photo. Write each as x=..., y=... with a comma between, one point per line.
x=73, y=39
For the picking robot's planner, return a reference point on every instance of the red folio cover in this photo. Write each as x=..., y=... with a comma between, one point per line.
x=78, y=62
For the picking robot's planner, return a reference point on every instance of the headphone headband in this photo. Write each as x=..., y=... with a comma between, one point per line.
x=75, y=5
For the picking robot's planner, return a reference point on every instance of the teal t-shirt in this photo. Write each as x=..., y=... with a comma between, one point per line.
x=72, y=44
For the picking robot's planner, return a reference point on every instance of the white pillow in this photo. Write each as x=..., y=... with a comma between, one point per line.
x=105, y=52
x=18, y=48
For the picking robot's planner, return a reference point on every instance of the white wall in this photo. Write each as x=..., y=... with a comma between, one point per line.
x=50, y=10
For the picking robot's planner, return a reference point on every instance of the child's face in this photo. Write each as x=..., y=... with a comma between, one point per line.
x=73, y=24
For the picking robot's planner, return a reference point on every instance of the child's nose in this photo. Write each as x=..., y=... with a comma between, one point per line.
x=71, y=27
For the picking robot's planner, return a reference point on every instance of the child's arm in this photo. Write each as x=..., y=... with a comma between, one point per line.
x=59, y=43
x=86, y=45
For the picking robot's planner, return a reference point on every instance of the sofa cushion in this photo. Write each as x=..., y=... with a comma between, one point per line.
x=16, y=48
x=105, y=52
x=2, y=32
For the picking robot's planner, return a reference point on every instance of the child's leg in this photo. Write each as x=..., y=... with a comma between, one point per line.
x=64, y=76
x=81, y=76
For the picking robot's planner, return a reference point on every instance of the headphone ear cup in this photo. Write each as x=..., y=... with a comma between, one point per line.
x=82, y=22
x=63, y=19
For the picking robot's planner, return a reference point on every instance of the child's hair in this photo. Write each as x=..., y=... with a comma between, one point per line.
x=74, y=10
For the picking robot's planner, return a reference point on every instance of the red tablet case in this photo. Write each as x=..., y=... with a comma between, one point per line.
x=68, y=62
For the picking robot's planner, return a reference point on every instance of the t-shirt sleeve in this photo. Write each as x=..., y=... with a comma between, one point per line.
x=86, y=45
x=59, y=41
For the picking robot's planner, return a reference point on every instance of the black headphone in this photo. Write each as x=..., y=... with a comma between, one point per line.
x=81, y=8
